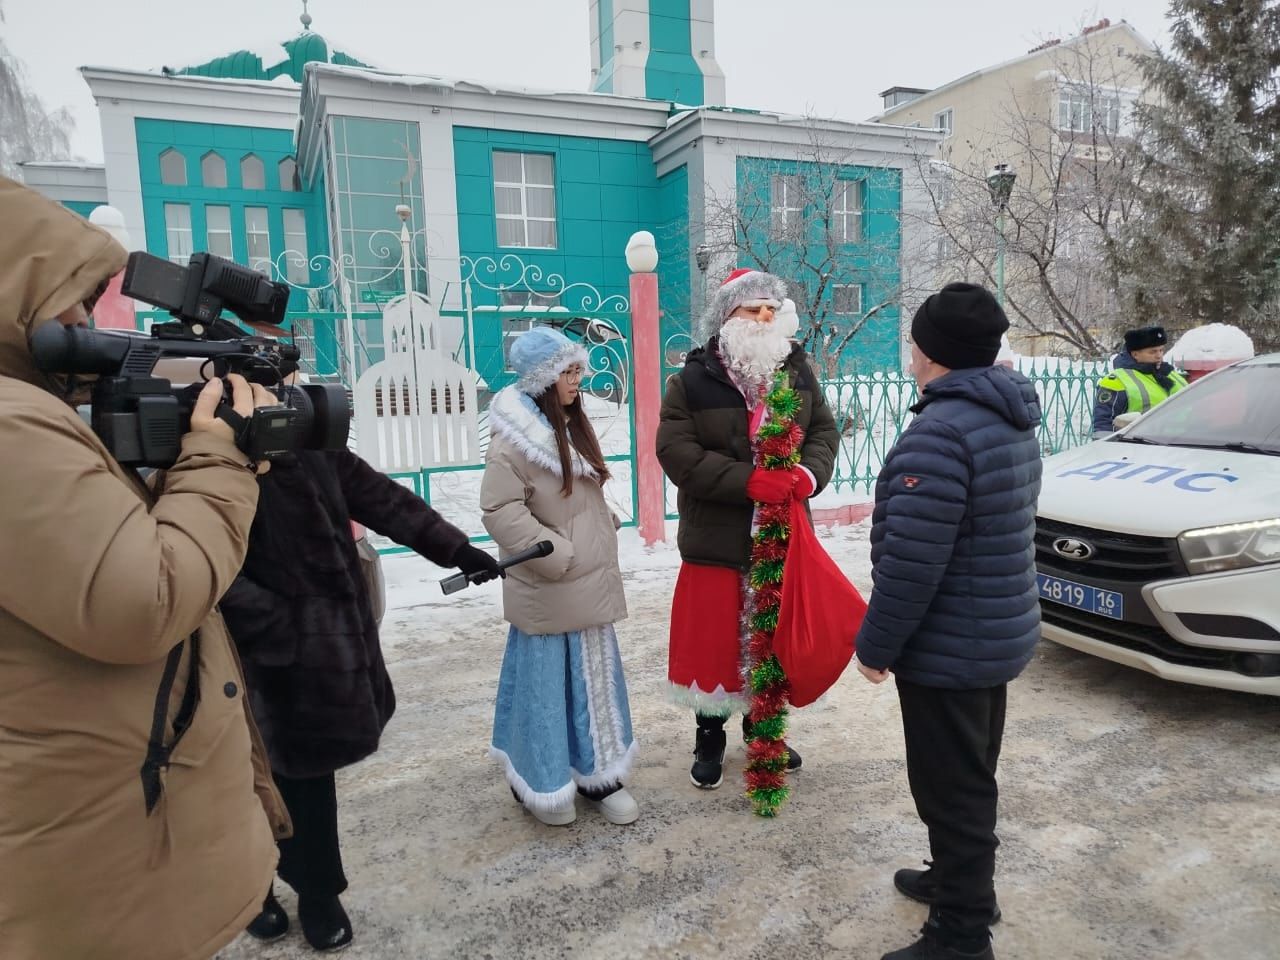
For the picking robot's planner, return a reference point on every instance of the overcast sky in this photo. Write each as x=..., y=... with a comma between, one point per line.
x=828, y=57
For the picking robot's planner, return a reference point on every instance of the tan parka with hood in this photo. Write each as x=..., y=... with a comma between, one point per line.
x=98, y=583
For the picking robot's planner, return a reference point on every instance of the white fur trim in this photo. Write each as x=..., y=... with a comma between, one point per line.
x=717, y=703
x=537, y=379
x=562, y=797
x=545, y=802
x=756, y=285
x=787, y=319
x=615, y=773
x=514, y=417
x=812, y=479
x=608, y=740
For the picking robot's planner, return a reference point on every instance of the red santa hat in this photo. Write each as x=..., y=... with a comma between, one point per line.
x=743, y=287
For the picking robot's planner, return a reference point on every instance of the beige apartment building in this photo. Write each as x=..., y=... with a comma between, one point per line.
x=1052, y=116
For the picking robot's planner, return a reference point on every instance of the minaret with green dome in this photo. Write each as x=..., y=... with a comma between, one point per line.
x=658, y=49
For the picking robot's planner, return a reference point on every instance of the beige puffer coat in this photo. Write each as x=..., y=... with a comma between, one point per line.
x=579, y=585
x=97, y=584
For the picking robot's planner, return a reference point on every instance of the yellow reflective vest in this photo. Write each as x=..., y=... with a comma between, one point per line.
x=1142, y=390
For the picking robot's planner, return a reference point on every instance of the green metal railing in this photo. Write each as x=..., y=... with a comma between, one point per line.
x=873, y=409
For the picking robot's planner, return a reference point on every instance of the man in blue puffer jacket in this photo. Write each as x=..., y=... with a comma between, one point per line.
x=954, y=614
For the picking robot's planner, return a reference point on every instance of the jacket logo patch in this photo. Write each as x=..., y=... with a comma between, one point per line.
x=911, y=482
x=1105, y=396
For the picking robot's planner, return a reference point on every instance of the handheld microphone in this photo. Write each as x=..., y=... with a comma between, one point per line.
x=459, y=581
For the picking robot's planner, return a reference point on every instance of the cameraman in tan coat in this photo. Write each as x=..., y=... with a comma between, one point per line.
x=132, y=784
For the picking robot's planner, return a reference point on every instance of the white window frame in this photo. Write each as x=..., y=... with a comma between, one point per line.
x=786, y=204
x=297, y=266
x=1078, y=106
x=1075, y=112
x=836, y=290
x=258, y=262
x=525, y=186
x=847, y=210
x=210, y=231
x=178, y=235
x=945, y=120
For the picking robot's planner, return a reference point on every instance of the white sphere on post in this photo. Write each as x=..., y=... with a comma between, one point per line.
x=642, y=252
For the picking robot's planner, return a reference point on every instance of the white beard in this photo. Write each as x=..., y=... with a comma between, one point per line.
x=753, y=351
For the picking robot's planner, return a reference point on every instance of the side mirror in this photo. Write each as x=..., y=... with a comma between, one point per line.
x=1124, y=419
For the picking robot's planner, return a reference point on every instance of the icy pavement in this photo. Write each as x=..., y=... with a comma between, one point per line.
x=1138, y=818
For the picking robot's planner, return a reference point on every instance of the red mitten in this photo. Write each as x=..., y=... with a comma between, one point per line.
x=770, y=486
x=805, y=486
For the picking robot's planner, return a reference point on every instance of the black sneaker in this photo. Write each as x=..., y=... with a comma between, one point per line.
x=324, y=923
x=707, y=772
x=922, y=886
x=272, y=923
x=928, y=947
x=793, y=755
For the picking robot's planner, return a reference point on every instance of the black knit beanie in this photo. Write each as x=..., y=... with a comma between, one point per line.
x=960, y=326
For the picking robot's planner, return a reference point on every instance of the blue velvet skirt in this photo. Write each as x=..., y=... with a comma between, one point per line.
x=562, y=720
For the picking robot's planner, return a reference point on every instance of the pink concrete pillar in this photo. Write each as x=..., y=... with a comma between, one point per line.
x=646, y=392
x=113, y=310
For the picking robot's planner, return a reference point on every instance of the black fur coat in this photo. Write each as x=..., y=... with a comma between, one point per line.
x=301, y=616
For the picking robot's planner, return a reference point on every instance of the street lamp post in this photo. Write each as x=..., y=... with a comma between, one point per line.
x=702, y=256
x=1000, y=184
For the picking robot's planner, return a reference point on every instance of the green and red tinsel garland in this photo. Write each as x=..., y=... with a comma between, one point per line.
x=778, y=448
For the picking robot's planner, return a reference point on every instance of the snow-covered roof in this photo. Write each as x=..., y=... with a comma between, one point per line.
x=267, y=60
x=997, y=67
x=62, y=164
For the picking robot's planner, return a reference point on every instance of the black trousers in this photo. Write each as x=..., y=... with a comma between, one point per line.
x=310, y=860
x=953, y=744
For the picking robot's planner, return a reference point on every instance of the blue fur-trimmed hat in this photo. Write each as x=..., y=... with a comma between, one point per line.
x=540, y=355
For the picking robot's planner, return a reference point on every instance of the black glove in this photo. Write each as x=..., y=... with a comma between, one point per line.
x=479, y=566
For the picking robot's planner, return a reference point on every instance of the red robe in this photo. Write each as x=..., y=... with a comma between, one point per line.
x=705, y=657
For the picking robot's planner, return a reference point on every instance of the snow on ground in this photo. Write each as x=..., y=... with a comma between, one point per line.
x=1131, y=809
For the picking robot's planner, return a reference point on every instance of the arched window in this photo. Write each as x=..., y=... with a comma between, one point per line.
x=253, y=175
x=213, y=170
x=289, y=175
x=173, y=168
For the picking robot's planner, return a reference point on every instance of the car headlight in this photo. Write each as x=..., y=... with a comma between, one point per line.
x=1231, y=546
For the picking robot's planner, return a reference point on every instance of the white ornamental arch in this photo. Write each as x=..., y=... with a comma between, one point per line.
x=417, y=407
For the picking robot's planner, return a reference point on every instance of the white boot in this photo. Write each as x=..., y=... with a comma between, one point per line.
x=558, y=817
x=618, y=807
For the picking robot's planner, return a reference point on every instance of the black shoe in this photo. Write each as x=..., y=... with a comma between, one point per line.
x=707, y=772
x=793, y=755
x=272, y=923
x=324, y=923
x=922, y=887
x=929, y=947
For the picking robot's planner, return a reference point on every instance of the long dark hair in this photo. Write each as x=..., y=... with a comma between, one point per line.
x=571, y=427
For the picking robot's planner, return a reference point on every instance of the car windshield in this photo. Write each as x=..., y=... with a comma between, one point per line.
x=1236, y=408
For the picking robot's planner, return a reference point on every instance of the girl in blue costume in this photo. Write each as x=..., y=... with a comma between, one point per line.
x=562, y=725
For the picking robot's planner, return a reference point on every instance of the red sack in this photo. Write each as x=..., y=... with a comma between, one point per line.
x=820, y=615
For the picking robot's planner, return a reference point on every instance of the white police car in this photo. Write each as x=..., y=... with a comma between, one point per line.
x=1159, y=546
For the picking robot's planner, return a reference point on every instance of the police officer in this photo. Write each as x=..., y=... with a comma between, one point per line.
x=1138, y=381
